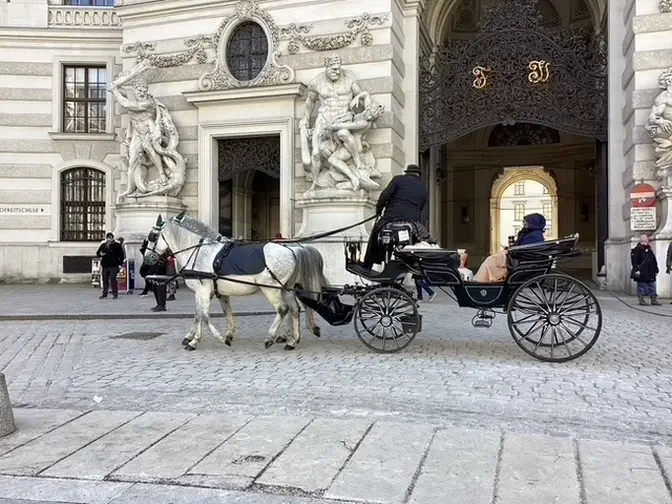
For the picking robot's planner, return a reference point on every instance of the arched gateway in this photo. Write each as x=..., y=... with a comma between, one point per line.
x=512, y=62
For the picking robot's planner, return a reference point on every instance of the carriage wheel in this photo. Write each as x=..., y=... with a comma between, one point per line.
x=386, y=319
x=554, y=318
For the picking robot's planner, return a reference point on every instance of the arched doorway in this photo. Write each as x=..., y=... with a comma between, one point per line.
x=517, y=192
x=249, y=188
x=515, y=83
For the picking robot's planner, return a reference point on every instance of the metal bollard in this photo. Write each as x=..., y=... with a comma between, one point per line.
x=7, y=425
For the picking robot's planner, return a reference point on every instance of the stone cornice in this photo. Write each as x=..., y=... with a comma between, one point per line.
x=252, y=93
x=59, y=35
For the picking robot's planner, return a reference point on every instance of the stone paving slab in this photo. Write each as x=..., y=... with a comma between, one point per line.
x=102, y=457
x=41, y=453
x=615, y=473
x=316, y=456
x=461, y=464
x=175, y=454
x=241, y=459
x=382, y=468
x=55, y=490
x=33, y=423
x=386, y=463
x=538, y=470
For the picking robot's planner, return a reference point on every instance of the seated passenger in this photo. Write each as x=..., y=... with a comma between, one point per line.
x=494, y=267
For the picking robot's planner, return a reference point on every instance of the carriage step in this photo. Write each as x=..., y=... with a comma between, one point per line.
x=482, y=323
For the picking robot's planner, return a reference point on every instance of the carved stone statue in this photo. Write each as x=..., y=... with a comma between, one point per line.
x=150, y=140
x=660, y=128
x=334, y=151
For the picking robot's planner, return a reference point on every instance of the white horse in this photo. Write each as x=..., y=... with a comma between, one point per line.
x=195, y=246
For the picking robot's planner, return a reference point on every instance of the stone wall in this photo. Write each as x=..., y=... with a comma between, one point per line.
x=33, y=149
x=635, y=66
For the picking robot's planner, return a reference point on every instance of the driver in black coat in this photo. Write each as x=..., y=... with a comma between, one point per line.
x=402, y=200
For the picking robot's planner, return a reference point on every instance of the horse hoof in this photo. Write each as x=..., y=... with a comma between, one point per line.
x=189, y=348
x=186, y=341
x=281, y=339
x=317, y=331
x=268, y=344
x=227, y=342
x=289, y=347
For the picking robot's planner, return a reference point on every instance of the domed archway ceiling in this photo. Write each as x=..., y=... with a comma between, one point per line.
x=513, y=69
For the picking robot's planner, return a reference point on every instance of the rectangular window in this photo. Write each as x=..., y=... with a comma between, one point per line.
x=519, y=189
x=82, y=205
x=547, y=211
x=84, y=99
x=90, y=3
x=518, y=211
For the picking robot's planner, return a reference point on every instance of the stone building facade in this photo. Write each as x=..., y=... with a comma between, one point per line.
x=235, y=78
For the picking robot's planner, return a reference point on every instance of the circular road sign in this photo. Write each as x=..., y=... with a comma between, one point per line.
x=643, y=195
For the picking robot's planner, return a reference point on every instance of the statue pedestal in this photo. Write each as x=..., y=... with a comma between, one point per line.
x=661, y=242
x=135, y=219
x=329, y=209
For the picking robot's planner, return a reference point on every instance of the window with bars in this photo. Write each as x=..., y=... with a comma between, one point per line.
x=82, y=205
x=90, y=3
x=518, y=211
x=84, y=99
x=519, y=189
x=247, y=51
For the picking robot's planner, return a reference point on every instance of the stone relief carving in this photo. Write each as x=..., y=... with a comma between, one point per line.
x=334, y=150
x=660, y=128
x=665, y=5
x=359, y=27
x=150, y=140
x=80, y=18
x=272, y=73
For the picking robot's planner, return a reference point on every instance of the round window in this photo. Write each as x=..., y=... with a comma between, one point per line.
x=247, y=51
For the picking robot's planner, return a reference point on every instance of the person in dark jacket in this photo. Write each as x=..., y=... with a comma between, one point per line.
x=160, y=289
x=533, y=230
x=111, y=257
x=644, y=271
x=145, y=269
x=403, y=199
x=494, y=268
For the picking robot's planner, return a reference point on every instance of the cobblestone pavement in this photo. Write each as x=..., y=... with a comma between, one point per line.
x=454, y=384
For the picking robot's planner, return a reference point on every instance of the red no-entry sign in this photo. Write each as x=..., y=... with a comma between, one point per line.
x=643, y=195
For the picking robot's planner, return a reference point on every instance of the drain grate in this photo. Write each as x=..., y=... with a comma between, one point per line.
x=139, y=336
x=249, y=459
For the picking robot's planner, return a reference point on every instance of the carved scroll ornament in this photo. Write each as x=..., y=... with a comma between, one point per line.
x=359, y=27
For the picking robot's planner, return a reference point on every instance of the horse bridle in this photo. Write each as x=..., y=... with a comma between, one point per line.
x=155, y=235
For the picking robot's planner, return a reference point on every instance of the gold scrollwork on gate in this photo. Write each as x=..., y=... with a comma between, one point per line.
x=482, y=75
x=540, y=73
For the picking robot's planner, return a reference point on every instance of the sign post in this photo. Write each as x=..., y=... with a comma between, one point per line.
x=643, y=210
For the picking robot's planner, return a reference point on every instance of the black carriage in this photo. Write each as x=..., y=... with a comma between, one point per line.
x=551, y=316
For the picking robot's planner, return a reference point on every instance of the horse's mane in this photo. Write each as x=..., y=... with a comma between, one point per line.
x=197, y=227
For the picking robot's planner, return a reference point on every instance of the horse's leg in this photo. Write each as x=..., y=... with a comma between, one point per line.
x=231, y=323
x=311, y=322
x=295, y=334
x=202, y=298
x=275, y=297
x=190, y=335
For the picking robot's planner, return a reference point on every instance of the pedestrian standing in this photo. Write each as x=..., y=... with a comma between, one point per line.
x=160, y=288
x=111, y=257
x=644, y=271
x=420, y=285
x=144, y=268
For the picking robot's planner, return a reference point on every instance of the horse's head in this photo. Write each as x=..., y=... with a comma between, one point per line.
x=157, y=246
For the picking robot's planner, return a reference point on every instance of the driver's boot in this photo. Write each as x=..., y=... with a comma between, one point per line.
x=654, y=301
x=642, y=302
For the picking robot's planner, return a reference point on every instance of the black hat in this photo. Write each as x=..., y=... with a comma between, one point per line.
x=413, y=168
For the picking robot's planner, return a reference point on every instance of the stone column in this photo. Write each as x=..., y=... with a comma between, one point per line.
x=412, y=9
x=7, y=425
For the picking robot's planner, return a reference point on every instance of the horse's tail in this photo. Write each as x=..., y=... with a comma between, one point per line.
x=310, y=269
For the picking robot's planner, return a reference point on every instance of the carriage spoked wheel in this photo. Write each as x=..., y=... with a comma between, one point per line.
x=555, y=318
x=386, y=319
